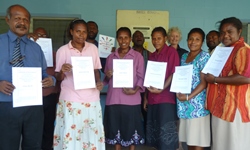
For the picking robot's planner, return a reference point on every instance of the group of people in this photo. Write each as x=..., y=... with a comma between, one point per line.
x=170, y=118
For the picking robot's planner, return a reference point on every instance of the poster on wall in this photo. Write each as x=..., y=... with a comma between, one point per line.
x=105, y=45
x=144, y=21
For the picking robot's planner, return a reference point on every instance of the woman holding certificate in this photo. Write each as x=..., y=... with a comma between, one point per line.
x=124, y=74
x=228, y=95
x=79, y=116
x=194, y=118
x=161, y=131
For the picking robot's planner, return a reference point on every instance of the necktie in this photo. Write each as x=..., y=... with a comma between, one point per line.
x=17, y=57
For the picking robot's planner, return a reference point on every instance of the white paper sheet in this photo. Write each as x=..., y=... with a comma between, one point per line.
x=83, y=72
x=105, y=45
x=182, y=79
x=28, y=83
x=46, y=45
x=155, y=74
x=122, y=73
x=217, y=61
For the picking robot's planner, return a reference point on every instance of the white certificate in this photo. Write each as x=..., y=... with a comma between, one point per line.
x=155, y=74
x=46, y=45
x=123, y=73
x=83, y=72
x=105, y=45
x=217, y=61
x=28, y=83
x=182, y=79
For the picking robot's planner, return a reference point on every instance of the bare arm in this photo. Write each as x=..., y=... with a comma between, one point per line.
x=166, y=84
x=168, y=81
x=235, y=79
x=130, y=91
x=145, y=102
x=196, y=91
x=97, y=75
x=65, y=68
x=99, y=84
x=242, y=68
x=48, y=82
x=6, y=87
x=59, y=76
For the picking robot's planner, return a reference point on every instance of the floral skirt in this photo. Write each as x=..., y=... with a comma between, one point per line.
x=79, y=126
x=123, y=125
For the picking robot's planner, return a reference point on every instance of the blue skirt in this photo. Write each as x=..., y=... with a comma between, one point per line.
x=123, y=125
x=161, y=127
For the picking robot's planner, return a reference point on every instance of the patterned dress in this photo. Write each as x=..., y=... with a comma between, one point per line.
x=76, y=131
x=194, y=128
x=195, y=107
x=79, y=116
x=161, y=128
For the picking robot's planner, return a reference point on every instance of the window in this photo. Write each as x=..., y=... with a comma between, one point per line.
x=246, y=32
x=3, y=25
x=55, y=27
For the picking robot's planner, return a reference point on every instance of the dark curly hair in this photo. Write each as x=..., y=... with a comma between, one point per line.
x=125, y=29
x=72, y=25
x=159, y=29
x=197, y=30
x=231, y=20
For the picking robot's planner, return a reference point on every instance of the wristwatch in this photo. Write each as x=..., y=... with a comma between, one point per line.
x=215, y=80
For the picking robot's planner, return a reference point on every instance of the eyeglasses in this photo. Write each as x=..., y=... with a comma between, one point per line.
x=17, y=60
x=42, y=35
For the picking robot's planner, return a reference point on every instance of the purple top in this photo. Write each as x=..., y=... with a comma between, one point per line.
x=115, y=95
x=169, y=55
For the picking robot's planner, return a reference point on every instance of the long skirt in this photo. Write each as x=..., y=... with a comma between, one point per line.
x=230, y=135
x=123, y=125
x=196, y=131
x=79, y=126
x=161, y=131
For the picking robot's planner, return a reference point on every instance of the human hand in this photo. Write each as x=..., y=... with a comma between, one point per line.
x=6, y=87
x=181, y=97
x=66, y=68
x=128, y=91
x=113, y=49
x=154, y=90
x=209, y=78
x=33, y=36
x=99, y=85
x=109, y=73
x=47, y=82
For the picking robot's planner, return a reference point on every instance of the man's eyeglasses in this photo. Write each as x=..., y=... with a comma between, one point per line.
x=41, y=35
x=17, y=60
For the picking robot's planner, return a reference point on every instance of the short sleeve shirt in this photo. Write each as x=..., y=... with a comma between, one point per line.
x=68, y=92
x=195, y=107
